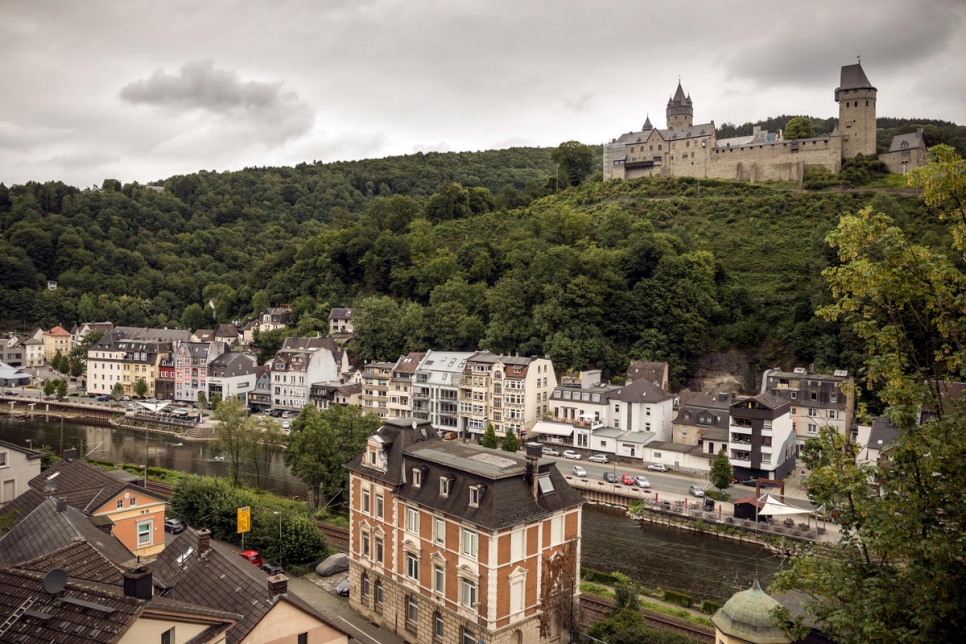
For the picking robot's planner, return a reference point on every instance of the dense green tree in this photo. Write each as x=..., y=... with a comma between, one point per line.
x=50, y=387
x=799, y=127
x=574, y=162
x=140, y=388
x=721, y=474
x=896, y=573
x=231, y=434
x=117, y=392
x=510, y=441
x=489, y=437
x=194, y=318
x=61, y=388
x=321, y=442
x=202, y=401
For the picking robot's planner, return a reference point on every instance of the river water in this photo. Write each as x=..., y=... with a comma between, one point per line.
x=704, y=567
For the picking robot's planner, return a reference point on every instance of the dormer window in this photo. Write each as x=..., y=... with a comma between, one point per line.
x=445, y=485
x=417, y=477
x=476, y=495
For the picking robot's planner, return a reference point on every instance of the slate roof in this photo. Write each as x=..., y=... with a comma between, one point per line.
x=31, y=454
x=221, y=580
x=913, y=140
x=45, y=530
x=145, y=334
x=853, y=77
x=769, y=401
x=226, y=331
x=698, y=404
x=639, y=391
x=653, y=371
x=229, y=365
x=83, y=486
x=882, y=434
x=507, y=498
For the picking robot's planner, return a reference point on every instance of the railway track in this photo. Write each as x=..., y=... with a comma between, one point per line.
x=594, y=609
x=337, y=536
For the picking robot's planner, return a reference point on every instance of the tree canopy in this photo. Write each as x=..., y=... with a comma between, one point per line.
x=799, y=127
x=897, y=574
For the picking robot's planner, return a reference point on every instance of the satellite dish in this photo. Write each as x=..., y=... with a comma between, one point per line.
x=414, y=424
x=55, y=581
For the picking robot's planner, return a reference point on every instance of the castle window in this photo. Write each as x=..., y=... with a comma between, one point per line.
x=867, y=103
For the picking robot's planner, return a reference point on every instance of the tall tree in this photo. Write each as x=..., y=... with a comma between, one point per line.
x=321, y=442
x=489, y=437
x=141, y=388
x=231, y=434
x=117, y=392
x=721, y=473
x=799, y=127
x=574, y=162
x=897, y=573
x=510, y=441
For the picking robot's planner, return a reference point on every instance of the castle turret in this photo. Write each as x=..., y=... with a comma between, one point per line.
x=856, y=98
x=680, y=112
x=647, y=125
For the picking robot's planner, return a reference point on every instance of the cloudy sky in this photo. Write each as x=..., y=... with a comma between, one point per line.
x=142, y=90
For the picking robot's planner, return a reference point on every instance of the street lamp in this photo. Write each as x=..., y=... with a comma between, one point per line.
x=279, y=536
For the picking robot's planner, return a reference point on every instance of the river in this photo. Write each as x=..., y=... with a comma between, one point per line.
x=658, y=557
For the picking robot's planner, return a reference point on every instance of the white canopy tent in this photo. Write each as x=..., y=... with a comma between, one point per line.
x=774, y=507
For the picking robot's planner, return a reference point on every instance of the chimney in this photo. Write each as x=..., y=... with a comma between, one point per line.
x=70, y=454
x=534, y=450
x=61, y=505
x=138, y=583
x=277, y=586
x=204, y=541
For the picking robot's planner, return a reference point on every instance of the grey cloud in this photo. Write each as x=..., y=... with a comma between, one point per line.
x=258, y=109
x=809, y=45
x=200, y=86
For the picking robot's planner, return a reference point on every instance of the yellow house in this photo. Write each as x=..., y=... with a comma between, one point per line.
x=57, y=339
x=137, y=518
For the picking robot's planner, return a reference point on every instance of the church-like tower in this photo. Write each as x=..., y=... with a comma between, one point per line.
x=680, y=112
x=856, y=98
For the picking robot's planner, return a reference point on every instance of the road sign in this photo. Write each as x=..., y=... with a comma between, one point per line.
x=244, y=520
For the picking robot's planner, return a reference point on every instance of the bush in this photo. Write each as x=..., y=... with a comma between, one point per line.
x=680, y=599
x=589, y=574
x=709, y=607
x=818, y=178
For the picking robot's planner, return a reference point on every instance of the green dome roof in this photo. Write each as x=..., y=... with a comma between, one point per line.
x=747, y=616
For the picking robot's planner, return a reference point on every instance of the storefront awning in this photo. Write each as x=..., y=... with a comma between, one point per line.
x=552, y=429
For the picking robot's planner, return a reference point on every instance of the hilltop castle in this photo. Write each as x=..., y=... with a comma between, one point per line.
x=684, y=149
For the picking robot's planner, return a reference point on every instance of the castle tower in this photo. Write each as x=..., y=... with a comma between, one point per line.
x=680, y=113
x=856, y=98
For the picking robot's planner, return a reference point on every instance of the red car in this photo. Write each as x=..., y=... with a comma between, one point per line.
x=252, y=556
x=627, y=479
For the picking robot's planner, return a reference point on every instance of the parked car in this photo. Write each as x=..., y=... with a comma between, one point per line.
x=598, y=458
x=579, y=471
x=642, y=482
x=126, y=398
x=272, y=568
x=174, y=526
x=572, y=454
x=286, y=425
x=658, y=467
x=695, y=490
x=627, y=479
x=103, y=398
x=252, y=556
x=10, y=393
x=343, y=588
x=610, y=477
x=748, y=482
x=549, y=451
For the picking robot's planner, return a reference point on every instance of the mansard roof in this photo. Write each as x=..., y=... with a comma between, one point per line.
x=505, y=478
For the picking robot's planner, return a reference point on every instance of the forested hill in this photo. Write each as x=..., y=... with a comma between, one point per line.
x=659, y=269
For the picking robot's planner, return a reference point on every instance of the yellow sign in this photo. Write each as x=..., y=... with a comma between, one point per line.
x=244, y=519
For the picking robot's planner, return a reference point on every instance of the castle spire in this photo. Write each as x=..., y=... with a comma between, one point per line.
x=647, y=124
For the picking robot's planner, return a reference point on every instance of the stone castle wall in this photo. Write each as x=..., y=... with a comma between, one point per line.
x=781, y=161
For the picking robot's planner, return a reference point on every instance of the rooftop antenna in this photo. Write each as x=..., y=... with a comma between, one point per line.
x=859, y=58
